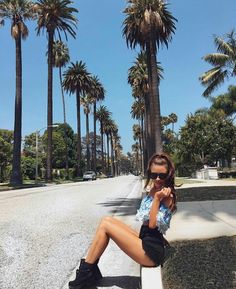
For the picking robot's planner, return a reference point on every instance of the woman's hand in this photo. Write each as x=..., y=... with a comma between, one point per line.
x=163, y=193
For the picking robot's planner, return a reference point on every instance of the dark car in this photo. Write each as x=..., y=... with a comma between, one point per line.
x=110, y=175
x=89, y=175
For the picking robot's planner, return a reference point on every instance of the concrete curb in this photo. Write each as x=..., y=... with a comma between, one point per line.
x=151, y=277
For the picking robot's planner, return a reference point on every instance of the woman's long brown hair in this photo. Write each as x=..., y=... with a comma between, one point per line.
x=170, y=180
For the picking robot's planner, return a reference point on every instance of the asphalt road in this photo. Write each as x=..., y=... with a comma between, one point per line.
x=45, y=231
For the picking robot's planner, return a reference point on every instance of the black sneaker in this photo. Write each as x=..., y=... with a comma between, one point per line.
x=97, y=272
x=85, y=276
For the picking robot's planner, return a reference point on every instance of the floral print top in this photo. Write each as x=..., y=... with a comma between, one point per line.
x=163, y=217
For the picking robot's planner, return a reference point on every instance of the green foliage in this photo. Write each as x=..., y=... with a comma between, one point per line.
x=169, y=141
x=6, y=150
x=148, y=19
x=28, y=167
x=72, y=174
x=17, y=12
x=126, y=163
x=223, y=63
x=56, y=15
x=206, y=138
x=76, y=78
x=226, y=102
x=62, y=135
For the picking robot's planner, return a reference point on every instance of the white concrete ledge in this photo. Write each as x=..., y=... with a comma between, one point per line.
x=151, y=277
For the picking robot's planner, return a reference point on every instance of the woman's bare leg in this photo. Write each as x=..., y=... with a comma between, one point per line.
x=104, y=242
x=124, y=237
x=123, y=225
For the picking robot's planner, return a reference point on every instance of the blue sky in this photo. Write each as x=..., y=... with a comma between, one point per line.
x=100, y=45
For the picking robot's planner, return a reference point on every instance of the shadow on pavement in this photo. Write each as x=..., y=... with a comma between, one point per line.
x=207, y=193
x=192, y=202
x=123, y=206
x=124, y=282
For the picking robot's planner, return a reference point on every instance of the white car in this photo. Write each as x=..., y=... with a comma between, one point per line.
x=89, y=175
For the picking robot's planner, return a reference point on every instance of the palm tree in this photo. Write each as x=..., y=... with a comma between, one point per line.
x=149, y=24
x=226, y=102
x=137, y=135
x=96, y=93
x=137, y=112
x=17, y=11
x=223, y=62
x=86, y=102
x=102, y=115
x=117, y=150
x=165, y=121
x=135, y=149
x=60, y=58
x=173, y=118
x=138, y=79
x=77, y=80
x=108, y=126
x=113, y=133
x=54, y=16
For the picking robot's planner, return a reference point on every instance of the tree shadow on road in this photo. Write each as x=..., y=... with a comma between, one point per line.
x=123, y=206
x=192, y=203
x=124, y=282
x=207, y=193
x=186, y=198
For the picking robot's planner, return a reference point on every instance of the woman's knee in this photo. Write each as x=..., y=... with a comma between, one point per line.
x=105, y=221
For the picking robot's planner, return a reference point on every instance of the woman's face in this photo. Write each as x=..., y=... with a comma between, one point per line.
x=159, y=166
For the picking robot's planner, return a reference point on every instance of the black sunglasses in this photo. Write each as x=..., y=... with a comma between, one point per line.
x=161, y=176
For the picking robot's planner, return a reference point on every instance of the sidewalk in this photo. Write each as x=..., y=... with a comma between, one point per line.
x=205, y=219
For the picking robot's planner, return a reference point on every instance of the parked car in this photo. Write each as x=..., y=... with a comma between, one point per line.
x=110, y=175
x=89, y=175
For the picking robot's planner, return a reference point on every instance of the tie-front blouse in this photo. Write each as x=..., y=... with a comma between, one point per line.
x=163, y=217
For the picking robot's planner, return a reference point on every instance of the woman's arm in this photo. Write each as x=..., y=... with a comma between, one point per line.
x=153, y=213
x=159, y=195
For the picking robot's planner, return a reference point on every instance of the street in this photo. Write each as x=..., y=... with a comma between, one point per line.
x=45, y=231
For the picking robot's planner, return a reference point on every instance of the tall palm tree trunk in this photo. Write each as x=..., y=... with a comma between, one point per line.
x=16, y=178
x=112, y=156
x=79, y=170
x=64, y=118
x=145, y=140
x=140, y=148
x=94, y=138
x=148, y=134
x=155, y=121
x=108, y=153
x=137, y=160
x=142, y=144
x=62, y=95
x=87, y=142
x=105, y=152
x=116, y=163
x=50, y=107
x=102, y=145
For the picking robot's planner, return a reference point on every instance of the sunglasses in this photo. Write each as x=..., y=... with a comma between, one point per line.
x=161, y=176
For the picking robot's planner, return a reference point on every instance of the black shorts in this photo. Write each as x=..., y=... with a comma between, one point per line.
x=153, y=244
